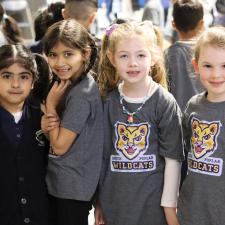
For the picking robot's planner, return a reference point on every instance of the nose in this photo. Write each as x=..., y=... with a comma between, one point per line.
x=15, y=82
x=216, y=73
x=59, y=61
x=132, y=61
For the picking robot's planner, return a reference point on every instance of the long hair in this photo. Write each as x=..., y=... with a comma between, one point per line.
x=73, y=35
x=108, y=77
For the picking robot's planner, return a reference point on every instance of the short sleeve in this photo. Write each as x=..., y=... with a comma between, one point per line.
x=77, y=111
x=170, y=130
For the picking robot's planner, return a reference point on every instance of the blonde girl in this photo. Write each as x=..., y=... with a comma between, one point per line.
x=202, y=196
x=142, y=128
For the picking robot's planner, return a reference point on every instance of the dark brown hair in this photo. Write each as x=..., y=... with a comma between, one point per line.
x=34, y=63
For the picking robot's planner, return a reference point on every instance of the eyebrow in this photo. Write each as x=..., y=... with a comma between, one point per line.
x=22, y=73
x=141, y=50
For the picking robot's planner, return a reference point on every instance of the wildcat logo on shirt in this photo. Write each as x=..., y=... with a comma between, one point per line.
x=204, y=144
x=132, y=141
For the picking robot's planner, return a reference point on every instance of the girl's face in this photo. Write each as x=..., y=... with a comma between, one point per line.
x=15, y=85
x=211, y=68
x=67, y=63
x=132, y=60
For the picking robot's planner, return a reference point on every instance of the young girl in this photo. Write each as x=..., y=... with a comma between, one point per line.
x=142, y=131
x=23, y=158
x=75, y=160
x=202, y=196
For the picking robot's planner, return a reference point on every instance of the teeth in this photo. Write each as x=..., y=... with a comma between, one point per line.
x=62, y=70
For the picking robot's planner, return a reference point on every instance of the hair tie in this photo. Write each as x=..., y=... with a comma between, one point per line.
x=110, y=29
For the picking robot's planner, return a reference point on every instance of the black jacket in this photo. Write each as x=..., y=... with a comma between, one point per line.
x=23, y=191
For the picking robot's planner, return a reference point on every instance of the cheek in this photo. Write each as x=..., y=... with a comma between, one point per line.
x=204, y=75
x=119, y=66
x=50, y=63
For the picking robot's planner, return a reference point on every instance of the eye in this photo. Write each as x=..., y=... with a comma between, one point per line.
x=68, y=54
x=124, y=138
x=195, y=135
x=51, y=55
x=138, y=138
x=207, y=66
x=141, y=55
x=25, y=76
x=6, y=76
x=207, y=137
x=123, y=56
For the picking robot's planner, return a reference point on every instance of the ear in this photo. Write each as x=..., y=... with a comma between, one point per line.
x=153, y=62
x=200, y=25
x=87, y=54
x=173, y=25
x=110, y=57
x=195, y=65
x=64, y=14
x=91, y=19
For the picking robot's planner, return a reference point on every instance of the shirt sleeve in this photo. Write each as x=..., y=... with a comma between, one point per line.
x=171, y=183
x=170, y=129
x=77, y=111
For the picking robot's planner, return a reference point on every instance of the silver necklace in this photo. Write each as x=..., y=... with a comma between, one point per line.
x=130, y=115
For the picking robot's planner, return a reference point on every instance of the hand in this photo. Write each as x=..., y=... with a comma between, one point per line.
x=49, y=122
x=99, y=218
x=56, y=93
x=171, y=216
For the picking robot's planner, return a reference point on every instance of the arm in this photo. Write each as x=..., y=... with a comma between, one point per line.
x=170, y=190
x=60, y=138
x=99, y=218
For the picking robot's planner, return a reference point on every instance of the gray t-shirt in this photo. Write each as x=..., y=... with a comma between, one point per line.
x=75, y=175
x=202, y=195
x=133, y=158
x=183, y=81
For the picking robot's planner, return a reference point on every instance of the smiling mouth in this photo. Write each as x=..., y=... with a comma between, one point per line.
x=217, y=83
x=63, y=70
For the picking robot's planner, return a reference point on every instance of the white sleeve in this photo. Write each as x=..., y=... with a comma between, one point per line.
x=172, y=175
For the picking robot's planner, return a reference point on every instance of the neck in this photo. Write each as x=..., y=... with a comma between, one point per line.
x=12, y=108
x=137, y=90
x=189, y=36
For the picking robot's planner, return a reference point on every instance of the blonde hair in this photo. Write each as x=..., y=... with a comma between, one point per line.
x=108, y=78
x=213, y=36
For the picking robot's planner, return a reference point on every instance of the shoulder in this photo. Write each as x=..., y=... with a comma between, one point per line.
x=164, y=101
x=164, y=96
x=196, y=101
x=86, y=88
x=181, y=46
x=111, y=96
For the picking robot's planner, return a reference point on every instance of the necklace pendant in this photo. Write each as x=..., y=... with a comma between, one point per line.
x=130, y=119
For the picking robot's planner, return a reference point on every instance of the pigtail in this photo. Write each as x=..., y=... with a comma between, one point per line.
x=11, y=30
x=108, y=78
x=42, y=83
x=158, y=74
x=93, y=56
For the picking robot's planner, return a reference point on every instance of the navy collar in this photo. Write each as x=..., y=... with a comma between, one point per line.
x=7, y=116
